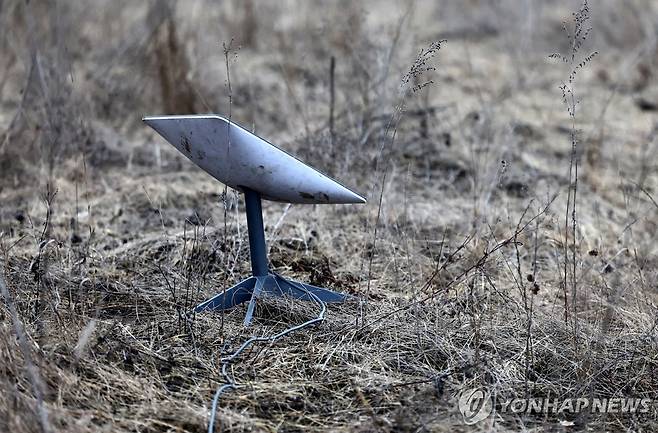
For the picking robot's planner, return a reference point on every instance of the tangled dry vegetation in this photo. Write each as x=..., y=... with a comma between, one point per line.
x=473, y=266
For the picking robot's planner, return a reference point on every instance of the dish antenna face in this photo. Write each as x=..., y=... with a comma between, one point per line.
x=240, y=159
x=246, y=162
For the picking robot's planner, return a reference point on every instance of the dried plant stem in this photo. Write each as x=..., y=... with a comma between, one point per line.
x=576, y=36
x=332, y=101
x=32, y=370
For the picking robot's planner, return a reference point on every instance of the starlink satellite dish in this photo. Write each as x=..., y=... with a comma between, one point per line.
x=246, y=162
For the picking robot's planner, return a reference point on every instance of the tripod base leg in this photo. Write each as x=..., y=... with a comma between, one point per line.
x=237, y=294
x=258, y=287
x=301, y=291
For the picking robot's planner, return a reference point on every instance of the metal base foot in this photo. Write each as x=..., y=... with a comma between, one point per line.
x=268, y=285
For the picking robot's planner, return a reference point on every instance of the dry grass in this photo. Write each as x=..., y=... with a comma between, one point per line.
x=107, y=238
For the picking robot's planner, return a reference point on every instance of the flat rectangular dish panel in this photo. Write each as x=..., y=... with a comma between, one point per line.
x=238, y=158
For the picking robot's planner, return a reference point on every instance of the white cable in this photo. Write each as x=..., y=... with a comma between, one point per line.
x=229, y=381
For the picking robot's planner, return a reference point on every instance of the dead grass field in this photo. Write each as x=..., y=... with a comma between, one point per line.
x=471, y=266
